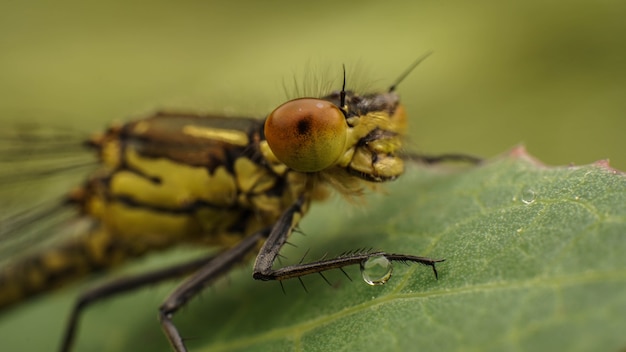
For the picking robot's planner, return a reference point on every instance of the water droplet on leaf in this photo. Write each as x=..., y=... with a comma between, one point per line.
x=528, y=196
x=376, y=270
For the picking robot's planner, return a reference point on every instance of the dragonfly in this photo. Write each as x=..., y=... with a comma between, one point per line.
x=236, y=183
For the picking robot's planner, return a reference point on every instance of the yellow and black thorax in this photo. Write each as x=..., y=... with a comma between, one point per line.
x=173, y=178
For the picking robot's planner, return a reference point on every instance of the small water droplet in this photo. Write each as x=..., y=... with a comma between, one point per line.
x=376, y=270
x=528, y=196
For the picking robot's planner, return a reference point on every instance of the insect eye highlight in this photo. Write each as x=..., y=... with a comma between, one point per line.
x=307, y=134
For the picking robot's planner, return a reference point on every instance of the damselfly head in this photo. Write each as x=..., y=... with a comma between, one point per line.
x=360, y=134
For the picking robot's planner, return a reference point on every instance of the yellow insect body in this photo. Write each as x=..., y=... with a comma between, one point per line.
x=239, y=184
x=182, y=178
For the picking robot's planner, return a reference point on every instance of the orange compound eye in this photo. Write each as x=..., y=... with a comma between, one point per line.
x=306, y=134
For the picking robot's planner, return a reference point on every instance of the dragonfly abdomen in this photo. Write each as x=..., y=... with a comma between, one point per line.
x=58, y=266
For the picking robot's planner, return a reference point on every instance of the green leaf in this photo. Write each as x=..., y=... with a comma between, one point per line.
x=534, y=261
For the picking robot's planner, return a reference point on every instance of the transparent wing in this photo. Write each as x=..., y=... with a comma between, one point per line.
x=38, y=167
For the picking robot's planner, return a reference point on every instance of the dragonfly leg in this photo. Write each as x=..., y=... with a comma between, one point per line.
x=122, y=285
x=263, y=267
x=442, y=158
x=219, y=265
x=278, y=237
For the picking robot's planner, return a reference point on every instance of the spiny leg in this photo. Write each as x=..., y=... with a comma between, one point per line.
x=442, y=158
x=263, y=267
x=220, y=265
x=278, y=237
x=123, y=285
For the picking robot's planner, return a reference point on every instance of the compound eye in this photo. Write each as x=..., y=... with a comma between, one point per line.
x=306, y=134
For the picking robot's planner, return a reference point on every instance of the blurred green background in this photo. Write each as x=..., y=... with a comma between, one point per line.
x=551, y=75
